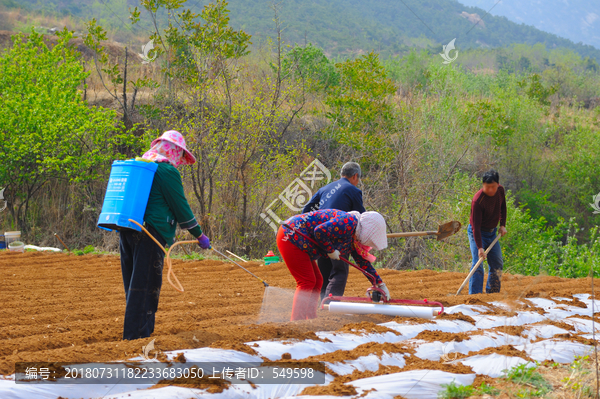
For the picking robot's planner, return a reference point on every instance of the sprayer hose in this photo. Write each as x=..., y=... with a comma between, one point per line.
x=170, y=270
x=168, y=253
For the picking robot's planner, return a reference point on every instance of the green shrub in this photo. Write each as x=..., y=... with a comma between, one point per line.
x=89, y=249
x=454, y=391
x=525, y=374
x=311, y=65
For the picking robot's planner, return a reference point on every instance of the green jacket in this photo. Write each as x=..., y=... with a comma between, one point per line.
x=168, y=206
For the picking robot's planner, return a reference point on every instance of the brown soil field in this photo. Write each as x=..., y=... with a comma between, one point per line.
x=67, y=308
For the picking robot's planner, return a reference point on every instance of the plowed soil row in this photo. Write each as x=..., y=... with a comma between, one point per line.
x=57, y=307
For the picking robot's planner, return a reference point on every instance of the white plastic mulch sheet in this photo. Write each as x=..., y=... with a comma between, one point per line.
x=537, y=340
x=42, y=248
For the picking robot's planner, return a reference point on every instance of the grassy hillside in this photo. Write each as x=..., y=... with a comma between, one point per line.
x=341, y=27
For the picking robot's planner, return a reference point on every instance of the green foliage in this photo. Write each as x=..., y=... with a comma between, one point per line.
x=410, y=71
x=197, y=46
x=46, y=130
x=492, y=118
x=89, y=249
x=535, y=89
x=78, y=252
x=581, y=379
x=534, y=247
x=10, y=4
x=454, y=391
x=310, y=65
x=191, y=256
x=525, y=374
x=486, y=389
x=360, y=110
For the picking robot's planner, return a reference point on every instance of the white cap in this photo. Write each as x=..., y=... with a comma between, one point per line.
x=371, y=230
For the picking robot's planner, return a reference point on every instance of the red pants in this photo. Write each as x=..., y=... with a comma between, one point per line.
x=307, y=275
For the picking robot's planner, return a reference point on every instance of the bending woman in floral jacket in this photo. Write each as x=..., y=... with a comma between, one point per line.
x=338, y=233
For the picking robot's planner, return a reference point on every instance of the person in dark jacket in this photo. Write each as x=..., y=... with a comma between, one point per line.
x=488, y=208
x=344, y=195
x=141, y=259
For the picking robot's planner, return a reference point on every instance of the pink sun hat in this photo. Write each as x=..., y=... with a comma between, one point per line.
x=173, y=136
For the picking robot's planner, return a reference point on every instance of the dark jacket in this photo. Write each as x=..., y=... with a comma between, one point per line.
x=340, y=195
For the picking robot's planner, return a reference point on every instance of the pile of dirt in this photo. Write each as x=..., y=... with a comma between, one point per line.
x=415, y=363
x=576, y=302
x=585, y=317
x=559, y=324
x=411, y=320
x=506, y=350
x=433, y=335
x=509, y=330
x=335, y=388
x=575, y=338
x=456, y=316
x=474, y=301
x=370, y=348
x=365, y=327
x=499, y=311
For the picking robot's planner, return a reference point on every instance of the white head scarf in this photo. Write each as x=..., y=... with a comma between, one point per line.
x=371, y=229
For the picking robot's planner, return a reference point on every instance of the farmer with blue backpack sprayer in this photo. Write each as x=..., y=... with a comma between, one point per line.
x=141, y=259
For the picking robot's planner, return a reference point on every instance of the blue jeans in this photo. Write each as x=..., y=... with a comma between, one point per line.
x=495, y=262
x=141, y=266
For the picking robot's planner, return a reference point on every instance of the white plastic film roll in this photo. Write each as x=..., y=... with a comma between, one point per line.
x=389, y=310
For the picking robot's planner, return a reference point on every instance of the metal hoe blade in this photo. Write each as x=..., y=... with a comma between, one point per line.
x=444, y=230
x=448, y=229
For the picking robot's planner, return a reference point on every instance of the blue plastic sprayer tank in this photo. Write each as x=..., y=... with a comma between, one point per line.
x=127, y=194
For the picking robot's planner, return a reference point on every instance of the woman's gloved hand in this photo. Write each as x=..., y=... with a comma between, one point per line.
x=204, y=242
x=335, y=255
x=385, y=289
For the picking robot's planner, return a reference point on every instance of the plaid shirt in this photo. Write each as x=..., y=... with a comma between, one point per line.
x=333, y=230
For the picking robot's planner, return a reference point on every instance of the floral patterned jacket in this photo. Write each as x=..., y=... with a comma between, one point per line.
x=332, y=229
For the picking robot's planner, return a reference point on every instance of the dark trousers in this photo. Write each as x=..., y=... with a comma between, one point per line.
x=335, y=276
x=494, y=260
x=141, y=266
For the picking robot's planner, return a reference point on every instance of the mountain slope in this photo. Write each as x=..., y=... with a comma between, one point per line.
x=577, y=20
x=347, y=27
